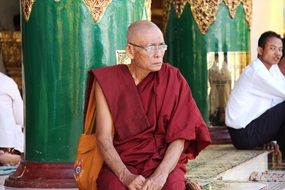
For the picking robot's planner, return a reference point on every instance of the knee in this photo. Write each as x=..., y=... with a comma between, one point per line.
x=107, y=180
x=175, y=180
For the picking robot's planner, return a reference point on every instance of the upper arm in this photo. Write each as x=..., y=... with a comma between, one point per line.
x=104, y=122
x=267, y=86
x=281, y=65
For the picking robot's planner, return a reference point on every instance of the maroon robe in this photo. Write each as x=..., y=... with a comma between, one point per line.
x=150, y=115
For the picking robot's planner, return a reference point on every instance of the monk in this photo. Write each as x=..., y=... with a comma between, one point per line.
x=157, y=125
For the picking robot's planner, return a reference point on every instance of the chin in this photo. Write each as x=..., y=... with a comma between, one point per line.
x=156, y=67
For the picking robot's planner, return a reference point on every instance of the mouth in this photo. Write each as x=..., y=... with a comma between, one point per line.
x=277, y=59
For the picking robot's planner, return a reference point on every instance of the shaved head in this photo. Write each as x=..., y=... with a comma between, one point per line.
x=139, y=28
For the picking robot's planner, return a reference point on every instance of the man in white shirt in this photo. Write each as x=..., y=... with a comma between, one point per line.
x=255, y=112
x=11, y=121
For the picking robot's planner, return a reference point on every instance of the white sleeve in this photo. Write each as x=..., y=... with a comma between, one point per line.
x=265, y=85
x=17, y=104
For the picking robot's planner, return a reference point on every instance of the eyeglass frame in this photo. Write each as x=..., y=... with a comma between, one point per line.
x=151, y=48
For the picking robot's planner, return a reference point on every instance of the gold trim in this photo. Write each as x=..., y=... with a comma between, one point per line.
x=177, y=5
x=27, y=6
x=10, y=47
x=122, y=58
x=232, y=6
x=247, y=7
x=147, y=5
x=97, y=8
x=204, y=11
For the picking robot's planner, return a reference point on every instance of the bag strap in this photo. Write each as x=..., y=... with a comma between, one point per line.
x=89, y=123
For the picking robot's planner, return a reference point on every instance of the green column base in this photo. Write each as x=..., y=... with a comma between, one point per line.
x=42, y=175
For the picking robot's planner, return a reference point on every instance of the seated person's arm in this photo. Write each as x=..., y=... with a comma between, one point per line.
x=281, y=65
x=169, y=162
x=104, y=125
x=17, y=105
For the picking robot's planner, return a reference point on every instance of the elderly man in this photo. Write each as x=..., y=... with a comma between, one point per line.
x=158, y=126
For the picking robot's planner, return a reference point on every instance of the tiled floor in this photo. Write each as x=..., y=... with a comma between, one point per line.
x=222, y=167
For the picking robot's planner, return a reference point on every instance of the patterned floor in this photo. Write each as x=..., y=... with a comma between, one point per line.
x=222, y=167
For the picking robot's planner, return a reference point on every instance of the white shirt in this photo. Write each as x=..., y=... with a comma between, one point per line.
x=257, y=90
x=11, y=114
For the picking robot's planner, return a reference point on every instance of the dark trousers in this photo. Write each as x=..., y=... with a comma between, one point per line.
x=270, y=126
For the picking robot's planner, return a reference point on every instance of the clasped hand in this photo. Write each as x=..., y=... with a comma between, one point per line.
x=138, y=182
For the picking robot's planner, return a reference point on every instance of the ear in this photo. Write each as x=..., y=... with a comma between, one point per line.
x=259, y=51
x=130, y=51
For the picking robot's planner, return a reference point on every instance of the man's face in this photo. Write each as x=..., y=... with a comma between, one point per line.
x=150, y=57
x=271, y=53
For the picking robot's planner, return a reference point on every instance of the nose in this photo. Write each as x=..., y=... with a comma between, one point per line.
x=158, y=53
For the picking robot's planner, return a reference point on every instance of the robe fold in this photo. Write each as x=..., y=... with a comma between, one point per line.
x=150, y=115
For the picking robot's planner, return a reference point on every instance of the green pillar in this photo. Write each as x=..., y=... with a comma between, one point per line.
x=61, y=41
x=189, y=44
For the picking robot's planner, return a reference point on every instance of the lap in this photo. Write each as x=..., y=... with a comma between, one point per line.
x=107, y=180
x=261, y=130
x=175, y=180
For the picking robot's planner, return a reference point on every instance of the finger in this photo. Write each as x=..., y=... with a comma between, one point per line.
x=146, y=185
x=138, y=182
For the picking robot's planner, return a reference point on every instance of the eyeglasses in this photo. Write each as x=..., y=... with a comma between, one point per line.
x=152, y=48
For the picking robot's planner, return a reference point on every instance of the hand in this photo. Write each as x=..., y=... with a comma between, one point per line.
x=271, y=146
x=155, y=182
x=133, y=182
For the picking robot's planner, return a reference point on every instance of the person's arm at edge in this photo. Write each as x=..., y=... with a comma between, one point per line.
x=18, y=109
x=281, y=65
x=167, y=165
x=266, y=87
x=104, y=127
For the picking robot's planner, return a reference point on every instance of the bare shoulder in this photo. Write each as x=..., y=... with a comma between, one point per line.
x=104, y=122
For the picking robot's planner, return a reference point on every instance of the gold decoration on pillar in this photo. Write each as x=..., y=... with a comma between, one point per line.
x=177, y=4
x=147, y=5
x=27, y=6
x=10, y=47
x=205, y=11
x=122, y=57
x=97, y=8
x=247, y=6
x=232, y=6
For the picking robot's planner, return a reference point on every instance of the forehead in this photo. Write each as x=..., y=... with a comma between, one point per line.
x=273, y=41
x=151, y=36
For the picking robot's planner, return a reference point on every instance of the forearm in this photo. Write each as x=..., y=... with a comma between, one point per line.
x=171, y=157
x=113, y=160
